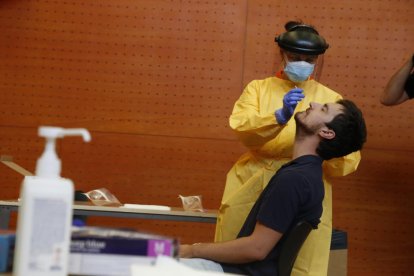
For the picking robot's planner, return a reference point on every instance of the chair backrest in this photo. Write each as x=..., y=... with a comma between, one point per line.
x=291, y=246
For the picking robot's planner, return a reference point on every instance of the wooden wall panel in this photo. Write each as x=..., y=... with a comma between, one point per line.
x=375, y=206
x=153, y=67
x=155, y=82
x=150, y=170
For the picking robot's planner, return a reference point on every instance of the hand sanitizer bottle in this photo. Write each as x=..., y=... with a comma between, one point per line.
x=45, y=213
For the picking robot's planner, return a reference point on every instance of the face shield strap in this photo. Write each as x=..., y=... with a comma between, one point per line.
x=303, y=27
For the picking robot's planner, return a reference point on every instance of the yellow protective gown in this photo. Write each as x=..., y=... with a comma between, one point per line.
x=270, y=146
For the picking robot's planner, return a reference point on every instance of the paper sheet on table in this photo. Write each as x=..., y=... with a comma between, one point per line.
x=167, y=266
x=147, y=207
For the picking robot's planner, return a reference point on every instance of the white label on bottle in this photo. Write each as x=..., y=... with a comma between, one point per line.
x=48, y=236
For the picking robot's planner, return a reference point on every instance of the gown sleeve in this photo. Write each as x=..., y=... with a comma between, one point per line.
x=253, y=126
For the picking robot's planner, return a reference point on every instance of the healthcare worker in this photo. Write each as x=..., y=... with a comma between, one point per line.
x=263, y=120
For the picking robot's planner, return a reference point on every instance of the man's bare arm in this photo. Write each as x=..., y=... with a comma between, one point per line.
x=243, y=250
x=394, y=92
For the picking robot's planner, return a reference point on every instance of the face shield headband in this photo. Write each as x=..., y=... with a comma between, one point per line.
x=302, y=39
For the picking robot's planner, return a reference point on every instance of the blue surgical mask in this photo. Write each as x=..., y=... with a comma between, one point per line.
x=298, y=71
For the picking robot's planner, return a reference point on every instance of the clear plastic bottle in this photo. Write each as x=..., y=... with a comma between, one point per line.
x=45, y=213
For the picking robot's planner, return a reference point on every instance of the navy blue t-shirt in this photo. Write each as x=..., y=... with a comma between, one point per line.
x=294, y=194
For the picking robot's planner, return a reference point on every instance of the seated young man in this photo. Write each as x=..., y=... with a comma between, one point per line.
x=294, y=193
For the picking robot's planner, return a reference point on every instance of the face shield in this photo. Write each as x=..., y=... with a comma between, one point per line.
x=303, y=43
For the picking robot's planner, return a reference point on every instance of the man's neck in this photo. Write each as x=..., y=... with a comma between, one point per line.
x=305, y=146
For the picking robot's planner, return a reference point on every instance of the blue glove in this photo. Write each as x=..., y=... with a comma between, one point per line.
x=290, y=100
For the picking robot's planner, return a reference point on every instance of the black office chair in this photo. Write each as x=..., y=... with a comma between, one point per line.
x=291, y=246
x=79, y=220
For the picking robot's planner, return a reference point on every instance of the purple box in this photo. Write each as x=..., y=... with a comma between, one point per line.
x=108, y=251
x=123, y=242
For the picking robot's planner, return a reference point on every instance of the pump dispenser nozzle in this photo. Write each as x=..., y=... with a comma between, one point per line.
x=49, y=165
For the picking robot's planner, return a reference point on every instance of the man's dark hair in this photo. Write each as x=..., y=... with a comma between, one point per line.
x=350, y=132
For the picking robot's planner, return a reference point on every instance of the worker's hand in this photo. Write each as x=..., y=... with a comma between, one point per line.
x=290, y=100
x=186, y=251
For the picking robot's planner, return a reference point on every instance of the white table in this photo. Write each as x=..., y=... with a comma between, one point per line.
x=87, y=209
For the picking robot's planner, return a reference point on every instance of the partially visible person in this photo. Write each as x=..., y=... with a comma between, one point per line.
x=400, y=87
x=262, y=118
x=294, y=194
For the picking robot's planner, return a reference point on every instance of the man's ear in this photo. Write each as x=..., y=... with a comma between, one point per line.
x=327, y=133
